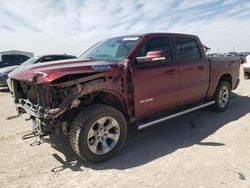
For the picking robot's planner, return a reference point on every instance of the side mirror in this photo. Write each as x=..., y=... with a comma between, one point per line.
x=152, y=56
x=206, y=49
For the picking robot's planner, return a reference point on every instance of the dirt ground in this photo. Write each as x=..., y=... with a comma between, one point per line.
x=201, y=149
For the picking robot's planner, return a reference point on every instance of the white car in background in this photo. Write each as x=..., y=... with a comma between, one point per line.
x=246, y=67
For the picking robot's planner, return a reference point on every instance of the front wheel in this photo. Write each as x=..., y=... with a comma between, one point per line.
x=98, y=133
x=222, y=96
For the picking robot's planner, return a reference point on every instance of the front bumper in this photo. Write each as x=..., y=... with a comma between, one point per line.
x=37, y=111
x=32, y=109
x=34, y=100
x=40, y=112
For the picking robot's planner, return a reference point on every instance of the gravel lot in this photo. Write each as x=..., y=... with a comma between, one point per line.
x=201, y=149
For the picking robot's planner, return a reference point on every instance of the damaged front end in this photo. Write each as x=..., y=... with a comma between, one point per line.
x=53, y=93
x=44, y=103
x=53, y=106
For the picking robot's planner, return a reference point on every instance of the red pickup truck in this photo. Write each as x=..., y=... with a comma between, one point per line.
x=138, y=80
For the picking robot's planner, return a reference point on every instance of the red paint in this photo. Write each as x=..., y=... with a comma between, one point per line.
x=141, y=91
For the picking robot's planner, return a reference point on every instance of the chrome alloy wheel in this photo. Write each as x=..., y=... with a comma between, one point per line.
x=103, y=135
x=223, y=96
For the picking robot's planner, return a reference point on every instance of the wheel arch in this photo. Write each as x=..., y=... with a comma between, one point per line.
x=109, y=98
x=116, y=101
x=226, y=77
x=214, y=84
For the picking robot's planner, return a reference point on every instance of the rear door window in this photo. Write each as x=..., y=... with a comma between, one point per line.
x=187, y=49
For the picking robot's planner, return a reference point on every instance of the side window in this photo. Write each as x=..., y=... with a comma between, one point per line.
x=47, y=59
x=22, y=58
x=56, y=58
x=10, y=59
x=14, y=59
x=157, y=44
x=187, y=49
x=63, y=57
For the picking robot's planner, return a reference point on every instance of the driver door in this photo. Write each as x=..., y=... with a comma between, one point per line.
x=156, y=82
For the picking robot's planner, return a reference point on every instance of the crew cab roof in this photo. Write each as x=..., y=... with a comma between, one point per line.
x=157, y=33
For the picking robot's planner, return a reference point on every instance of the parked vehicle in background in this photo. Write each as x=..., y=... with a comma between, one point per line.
x=39, y=59
x=7, y=60
x=246, y=67
x=243, y=54
x=137, y=80
x=217, y=55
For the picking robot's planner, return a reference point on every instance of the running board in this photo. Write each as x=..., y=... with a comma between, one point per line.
x=142, y=126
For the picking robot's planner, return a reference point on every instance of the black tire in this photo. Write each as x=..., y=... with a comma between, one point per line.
x=83, y=122
x=217, y=106
x=247, y=75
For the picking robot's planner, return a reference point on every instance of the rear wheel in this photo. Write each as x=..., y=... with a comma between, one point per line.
x=222, y=96
x=98, y=133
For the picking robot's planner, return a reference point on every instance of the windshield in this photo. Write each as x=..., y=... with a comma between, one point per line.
x=30, y=61
x=114, y=49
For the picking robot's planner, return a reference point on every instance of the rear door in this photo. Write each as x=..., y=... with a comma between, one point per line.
x=193, y=70
x=155, y=83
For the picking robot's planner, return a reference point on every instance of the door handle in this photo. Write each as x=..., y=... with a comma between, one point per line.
x=172, y=71
x=201, y=67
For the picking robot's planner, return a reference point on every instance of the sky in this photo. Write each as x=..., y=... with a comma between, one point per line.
x=72, y=26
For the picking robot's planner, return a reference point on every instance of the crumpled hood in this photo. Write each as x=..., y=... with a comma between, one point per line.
x=7, y=70
x=50, y=71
